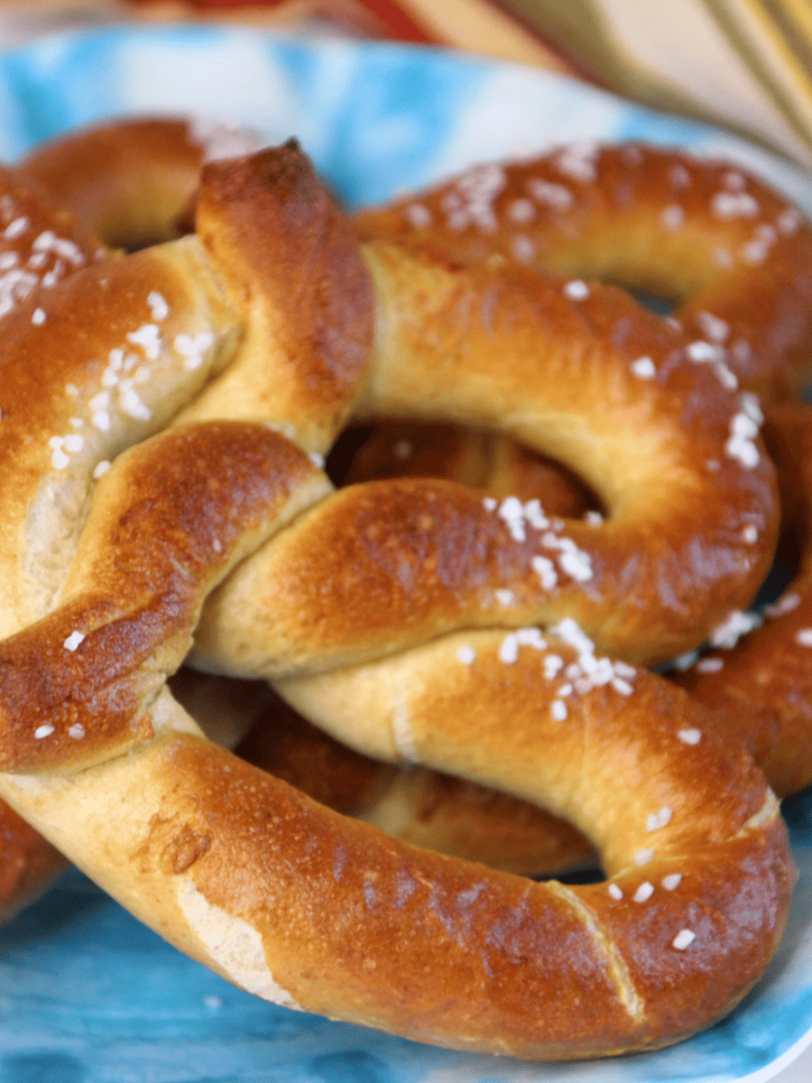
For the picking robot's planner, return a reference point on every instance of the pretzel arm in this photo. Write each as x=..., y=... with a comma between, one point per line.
x=574, y=399
x=241, y=872
x=756, y=673
x=282, y=897
x=131, y=180
x=733, y=255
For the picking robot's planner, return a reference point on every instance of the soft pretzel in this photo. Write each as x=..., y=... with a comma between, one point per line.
x=174, y=828
x=73, y=199
x=131, y=179
x=427, y=808
x=732, y=254
x=481, y=460
x=104, y=590
x=431, y=809
x=40, y=245
x=310, y=916
x=757, y=671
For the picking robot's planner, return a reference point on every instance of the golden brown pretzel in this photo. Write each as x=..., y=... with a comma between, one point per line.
x=430, y=809
x=130, y=179
x=40, y=245
x=757, y=673
x=244, y=873
x=481, y=460
x=631, y=214
x=415, y=804
x=121, y=183
x=734, y=256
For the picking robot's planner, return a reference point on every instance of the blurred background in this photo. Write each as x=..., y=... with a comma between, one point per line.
x=744, y=64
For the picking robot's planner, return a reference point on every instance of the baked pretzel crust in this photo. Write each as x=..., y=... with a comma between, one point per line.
x=240, y=332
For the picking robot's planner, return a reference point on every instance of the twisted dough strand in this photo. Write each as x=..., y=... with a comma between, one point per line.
x=131, y=180
x=732, y=254
x=40, y=245
x=279, y=895
x=757, y=672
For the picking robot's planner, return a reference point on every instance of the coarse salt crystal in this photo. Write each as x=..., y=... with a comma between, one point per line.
x=521, y=211
x=644, y=368
x=73, y=641
x=509, y=649
x=683, y=939
x=690, y=736
x=715, y=328
x=43, y=731
x=730, y=631
x=644, y=892
x=577, y=290
x=672, y=217
x=545, y=570
x=418, y=215
x=710, y=665
x=158, y=306
x=554, y=195
x=659, y=819
x=785, y=604
x=734, y=205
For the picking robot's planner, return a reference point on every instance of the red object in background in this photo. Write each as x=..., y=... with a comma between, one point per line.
x=492, y=29
x=364, y=18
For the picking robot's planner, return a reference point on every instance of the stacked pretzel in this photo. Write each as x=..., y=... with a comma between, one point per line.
x=163, y=500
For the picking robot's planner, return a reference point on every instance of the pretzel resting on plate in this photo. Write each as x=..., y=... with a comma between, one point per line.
x=124, y=182
x=158, y=430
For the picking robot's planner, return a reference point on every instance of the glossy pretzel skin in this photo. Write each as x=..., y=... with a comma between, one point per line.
x=278, y=894
x=710, y=237
x=760, y=684
x=40, y=244
x=131, y=181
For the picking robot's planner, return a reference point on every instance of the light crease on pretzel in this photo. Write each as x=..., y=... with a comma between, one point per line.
x=144, y=465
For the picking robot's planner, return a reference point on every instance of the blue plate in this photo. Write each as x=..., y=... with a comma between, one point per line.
x=87, y=994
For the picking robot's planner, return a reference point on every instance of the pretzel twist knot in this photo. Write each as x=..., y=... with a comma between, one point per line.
x=162, y=493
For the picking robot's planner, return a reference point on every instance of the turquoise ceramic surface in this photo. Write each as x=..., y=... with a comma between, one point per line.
x=88, y=995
